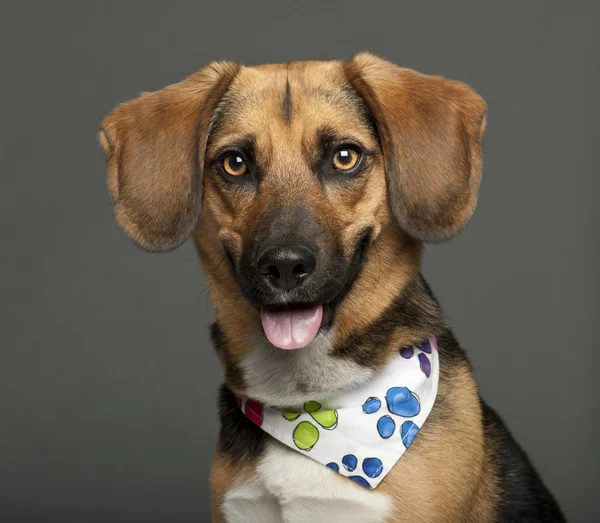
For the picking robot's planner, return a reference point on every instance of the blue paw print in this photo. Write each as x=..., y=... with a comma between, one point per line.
x=408, y=431
x=371, y=405
x=402, y=402
x=372, y=468
x=386, y=426
x=349, y=461
x=360, y=480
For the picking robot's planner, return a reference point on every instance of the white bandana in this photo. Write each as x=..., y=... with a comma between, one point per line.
x=361, y=433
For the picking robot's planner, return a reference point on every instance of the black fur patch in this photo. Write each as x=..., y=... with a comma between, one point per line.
x=240, y=440
x=415, y=309
x=523, y=495
x=233, y=374
x=353, y=271
x=286, y=104
x=449, y=350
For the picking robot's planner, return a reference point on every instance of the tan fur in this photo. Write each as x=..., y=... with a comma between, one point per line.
x=450, y=473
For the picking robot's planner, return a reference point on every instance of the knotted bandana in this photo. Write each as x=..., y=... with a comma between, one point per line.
x=361, y=433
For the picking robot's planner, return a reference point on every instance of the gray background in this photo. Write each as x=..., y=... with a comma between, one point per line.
x=107, y=379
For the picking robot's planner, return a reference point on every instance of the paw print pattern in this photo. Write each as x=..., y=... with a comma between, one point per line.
x=407, y=352
x=292, y=416
x=424, y=348
x=349, y=461
x=371, y=467
x=305, y=434
x=425, y=364
x=371, y=405
x=386, y=426
x=328, y=419
x=401, y=402
x=363, y=449
x=408, y=431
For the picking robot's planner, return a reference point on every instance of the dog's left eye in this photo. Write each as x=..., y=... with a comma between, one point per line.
x=345, y=159
x=234, y=165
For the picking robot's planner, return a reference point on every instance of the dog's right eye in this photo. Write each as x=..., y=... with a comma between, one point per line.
x=345, y=159
x=234, y=165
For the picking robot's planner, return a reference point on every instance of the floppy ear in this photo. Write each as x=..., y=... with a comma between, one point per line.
x=155, y=148
x=430, y=130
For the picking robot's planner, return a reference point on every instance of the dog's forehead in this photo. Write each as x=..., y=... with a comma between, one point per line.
x=314, y=72
x=301, y=96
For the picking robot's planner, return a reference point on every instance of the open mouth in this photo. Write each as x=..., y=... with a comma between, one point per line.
x=297, y=323
x=292, y=327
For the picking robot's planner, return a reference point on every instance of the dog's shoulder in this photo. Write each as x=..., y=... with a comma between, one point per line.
x=522, y=493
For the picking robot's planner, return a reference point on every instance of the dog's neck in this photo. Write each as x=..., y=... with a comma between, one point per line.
x=388, y=306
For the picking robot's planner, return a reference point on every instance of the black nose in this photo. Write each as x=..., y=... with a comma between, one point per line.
x=288, y=266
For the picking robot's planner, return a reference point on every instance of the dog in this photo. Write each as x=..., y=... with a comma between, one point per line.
x=309, y=189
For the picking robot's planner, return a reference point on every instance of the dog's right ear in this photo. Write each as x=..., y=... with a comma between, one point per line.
x=155, y=148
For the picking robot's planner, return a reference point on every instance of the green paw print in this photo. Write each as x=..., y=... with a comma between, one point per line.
x=305, y=434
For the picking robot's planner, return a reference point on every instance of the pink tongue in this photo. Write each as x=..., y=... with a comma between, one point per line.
x=291, y=328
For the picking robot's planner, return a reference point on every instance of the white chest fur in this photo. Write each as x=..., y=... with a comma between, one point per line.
x=289, y=488
x=290, y=378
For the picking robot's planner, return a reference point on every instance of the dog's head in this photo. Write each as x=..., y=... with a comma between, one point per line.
x=288, y=176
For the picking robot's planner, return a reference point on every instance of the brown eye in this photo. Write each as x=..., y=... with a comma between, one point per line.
x=345, y=159
x=234, y=165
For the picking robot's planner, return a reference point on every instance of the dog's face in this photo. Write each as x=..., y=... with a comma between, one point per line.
x=295, y=183
x=308, y=187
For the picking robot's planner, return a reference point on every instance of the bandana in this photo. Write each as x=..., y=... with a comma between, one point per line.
x=361, y=433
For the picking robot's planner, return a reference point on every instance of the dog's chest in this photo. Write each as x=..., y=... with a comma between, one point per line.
x=291, y=488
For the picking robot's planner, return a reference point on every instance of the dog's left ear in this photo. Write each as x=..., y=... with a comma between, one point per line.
x=430, y=130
